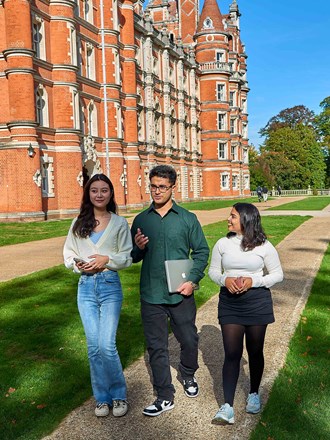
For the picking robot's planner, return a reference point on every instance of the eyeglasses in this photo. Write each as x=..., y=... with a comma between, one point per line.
x=161, y=188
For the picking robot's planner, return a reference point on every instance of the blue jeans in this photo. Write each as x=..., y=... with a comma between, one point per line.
x=99, y=302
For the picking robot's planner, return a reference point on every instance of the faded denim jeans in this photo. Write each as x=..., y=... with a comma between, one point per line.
x=99, y=302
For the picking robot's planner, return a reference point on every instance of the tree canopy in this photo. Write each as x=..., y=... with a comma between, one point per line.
x=293, y=154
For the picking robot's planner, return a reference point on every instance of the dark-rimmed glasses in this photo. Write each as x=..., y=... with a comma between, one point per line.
x=160, y=188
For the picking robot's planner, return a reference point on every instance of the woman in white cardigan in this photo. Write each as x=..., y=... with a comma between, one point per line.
x=245, y=303
x=97, y=246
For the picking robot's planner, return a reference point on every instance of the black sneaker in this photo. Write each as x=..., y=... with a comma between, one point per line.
x=158, y=407
x=190, y=386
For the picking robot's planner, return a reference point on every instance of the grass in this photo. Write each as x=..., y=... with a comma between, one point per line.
x=299, y=403
x=43, y=361
x=308, y=204
x=13, y=233
x=209, y=205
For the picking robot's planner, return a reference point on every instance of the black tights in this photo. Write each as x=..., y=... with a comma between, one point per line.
x=233, y=335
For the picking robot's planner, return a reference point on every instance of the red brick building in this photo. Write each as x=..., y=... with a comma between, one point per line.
x=106, y=86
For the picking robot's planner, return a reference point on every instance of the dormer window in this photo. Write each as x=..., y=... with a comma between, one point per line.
x=208, y=23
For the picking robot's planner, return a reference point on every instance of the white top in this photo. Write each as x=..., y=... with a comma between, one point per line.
x=115, y=242
x=230, y=260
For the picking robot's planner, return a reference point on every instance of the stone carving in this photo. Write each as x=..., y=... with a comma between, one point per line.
x=37, y=178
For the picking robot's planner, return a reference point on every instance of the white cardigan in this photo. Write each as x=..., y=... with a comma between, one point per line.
x=115, y=242
x=230, y=260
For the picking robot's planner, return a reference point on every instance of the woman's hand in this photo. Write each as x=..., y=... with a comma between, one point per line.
x=96, y=265
x=237, y=286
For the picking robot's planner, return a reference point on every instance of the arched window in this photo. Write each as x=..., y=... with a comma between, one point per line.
x=92, y=119
x=42, y=106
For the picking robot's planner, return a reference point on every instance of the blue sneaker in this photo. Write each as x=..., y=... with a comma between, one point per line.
x=253, y=404
x=225, y=415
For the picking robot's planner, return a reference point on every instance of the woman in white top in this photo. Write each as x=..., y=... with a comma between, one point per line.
x=245, y=304
x=98, y=245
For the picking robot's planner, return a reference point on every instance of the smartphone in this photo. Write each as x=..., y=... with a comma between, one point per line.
x=79, y=260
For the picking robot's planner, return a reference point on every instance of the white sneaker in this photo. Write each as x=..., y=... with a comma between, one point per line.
x=102, y=410
x=225, y=415
x=120, y=408
x=253, y=404
x=158, y=407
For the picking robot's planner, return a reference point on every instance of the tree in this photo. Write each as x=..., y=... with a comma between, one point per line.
x=322, y=124
x=295, y=157
x=290, y=117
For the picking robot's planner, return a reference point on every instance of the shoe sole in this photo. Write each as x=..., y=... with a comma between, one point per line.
x=121, y=415
x=188, y=395
x=252, y=412
x=159, y=413
x=222, y=421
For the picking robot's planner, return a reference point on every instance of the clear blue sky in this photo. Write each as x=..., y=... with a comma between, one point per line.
x=288, y=48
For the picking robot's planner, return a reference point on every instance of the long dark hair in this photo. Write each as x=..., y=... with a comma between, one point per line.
x=253, y=234
x=86, y=222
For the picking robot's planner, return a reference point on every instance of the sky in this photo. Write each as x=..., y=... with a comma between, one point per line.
x=288, y=48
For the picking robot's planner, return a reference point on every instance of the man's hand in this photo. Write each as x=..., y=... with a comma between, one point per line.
x=140, y=239
x=186, y=289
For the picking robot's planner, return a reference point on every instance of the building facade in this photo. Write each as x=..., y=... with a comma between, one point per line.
x=92, y=86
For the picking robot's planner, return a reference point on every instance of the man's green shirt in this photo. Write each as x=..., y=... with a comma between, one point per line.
x=176, y=236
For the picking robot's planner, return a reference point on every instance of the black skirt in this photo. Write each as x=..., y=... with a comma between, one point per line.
x=254, y=307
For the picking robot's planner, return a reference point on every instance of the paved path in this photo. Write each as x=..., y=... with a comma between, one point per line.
x=301, y=253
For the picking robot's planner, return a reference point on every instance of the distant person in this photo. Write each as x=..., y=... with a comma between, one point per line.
x=99, y=244
x=279, y=190
x=265, y=193
x=245, y=303
x=259, y=193
x=166, y=231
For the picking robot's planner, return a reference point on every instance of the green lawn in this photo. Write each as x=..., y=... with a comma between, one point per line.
x=308, y=204
x=299, y=404
x=13, y=233
x=209, y=205
x=43, y=360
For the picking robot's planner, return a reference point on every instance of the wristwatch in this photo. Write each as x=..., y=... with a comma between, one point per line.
x=193, y=285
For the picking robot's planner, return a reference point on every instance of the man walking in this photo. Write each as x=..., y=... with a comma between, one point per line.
x=165, y=231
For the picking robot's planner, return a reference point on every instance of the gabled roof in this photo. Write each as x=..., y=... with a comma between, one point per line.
x=210, y=10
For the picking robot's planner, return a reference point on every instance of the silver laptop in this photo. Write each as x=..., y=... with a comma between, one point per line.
x=177, y=272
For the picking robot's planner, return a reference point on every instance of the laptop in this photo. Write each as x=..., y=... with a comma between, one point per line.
x=177, y=272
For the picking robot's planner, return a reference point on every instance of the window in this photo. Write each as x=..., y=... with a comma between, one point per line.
x=222, y=150
x=246, y=182
x=232, y=99
x=224, y=181
x=38, y=33
x=47, y=176
x=88, y=10
x=235, y=181
x=232, y=125
x=73, y=46
x=231, y=67
x=245, y=131
x=92, y=119
x=244, y=107
x=221, y=121
x=76, y=113
x=245, y=155
x=42, y=106
x=220, y=57
x=220, y=92
x=233, y=153
x=90, y=61
x=117, y=66
x=119, y=121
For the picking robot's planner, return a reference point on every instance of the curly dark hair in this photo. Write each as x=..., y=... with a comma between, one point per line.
x=86, y=221
x=253, y=234
x=164, y=171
